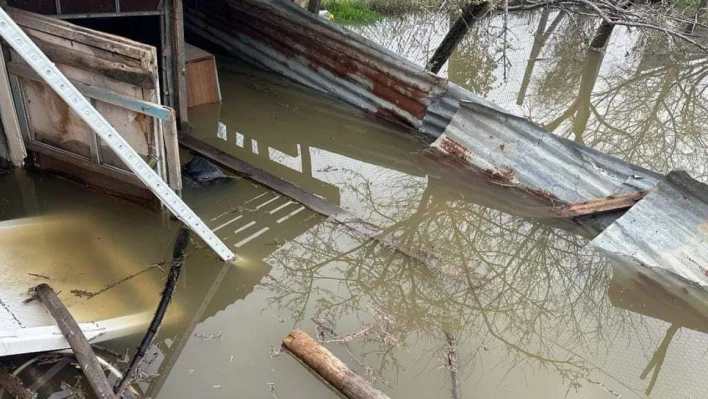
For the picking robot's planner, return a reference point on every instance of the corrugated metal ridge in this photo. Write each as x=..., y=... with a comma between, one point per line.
x=667, y=231
x=287, y=39
x=517, y=152
x=284, y=38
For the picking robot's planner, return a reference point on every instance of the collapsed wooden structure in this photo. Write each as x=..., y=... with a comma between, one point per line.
x=128, y=82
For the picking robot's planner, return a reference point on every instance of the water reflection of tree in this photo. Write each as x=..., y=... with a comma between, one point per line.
x=499, y=282
x=414, y=36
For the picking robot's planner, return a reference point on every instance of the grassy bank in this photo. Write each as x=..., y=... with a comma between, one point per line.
x=371, y=10
x=350, y=11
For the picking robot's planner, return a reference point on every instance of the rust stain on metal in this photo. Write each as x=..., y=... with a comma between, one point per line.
x=455, y=150
x=545, y=195
x=390, y=84
x=501, y=175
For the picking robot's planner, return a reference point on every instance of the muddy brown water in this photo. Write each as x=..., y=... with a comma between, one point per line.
x=532, y=314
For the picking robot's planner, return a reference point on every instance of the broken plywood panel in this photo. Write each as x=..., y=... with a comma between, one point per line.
x=666, y=231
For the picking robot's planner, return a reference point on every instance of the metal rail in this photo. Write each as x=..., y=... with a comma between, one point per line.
x=49, y=73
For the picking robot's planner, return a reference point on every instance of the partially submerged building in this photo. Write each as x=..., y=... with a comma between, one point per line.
x=129, y=59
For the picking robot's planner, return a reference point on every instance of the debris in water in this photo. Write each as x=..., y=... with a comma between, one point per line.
x=38, y=275
x=75, y=392
x=208, y=337
x=13, y=386
x=89, y=294
x=192, y=370
x=7, y=308
x=202, y=171
x=275, y=352
x=273, y=391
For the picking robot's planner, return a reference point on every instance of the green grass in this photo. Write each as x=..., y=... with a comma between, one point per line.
x=351, y=11
x=687, y=4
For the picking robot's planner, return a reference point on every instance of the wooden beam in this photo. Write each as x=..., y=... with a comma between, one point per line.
x=107, y=96
x=10, y=123
x=311, y=201
x=178, y=65
x=610, y=203
x=329, y=367
x=78, y=342
x=134, y=75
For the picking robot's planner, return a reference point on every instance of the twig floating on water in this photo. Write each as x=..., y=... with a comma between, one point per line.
x=89, y=294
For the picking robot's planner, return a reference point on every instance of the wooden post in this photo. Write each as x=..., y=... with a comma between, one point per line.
x=314, y=6
x=78, y=342
x=331, y=369
x=9, y=118
x=178, y=65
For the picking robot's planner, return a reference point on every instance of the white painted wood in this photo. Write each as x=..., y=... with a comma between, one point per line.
x=48, y=338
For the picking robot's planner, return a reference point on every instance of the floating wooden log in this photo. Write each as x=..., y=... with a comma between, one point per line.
x=79, y=344
x=329, y=367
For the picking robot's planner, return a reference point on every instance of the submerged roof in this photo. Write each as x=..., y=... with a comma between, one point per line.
x=520, y=153
x=667, y=230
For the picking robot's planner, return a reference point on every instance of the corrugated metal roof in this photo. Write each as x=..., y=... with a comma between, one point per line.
x=285, y=38
x=282, y=37
x=514, y=151
x=665, y=231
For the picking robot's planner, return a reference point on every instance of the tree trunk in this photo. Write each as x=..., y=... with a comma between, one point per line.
x=458, y=31
x=331, y=369
x=78, y=342
x=314, y=6
x=605, y=30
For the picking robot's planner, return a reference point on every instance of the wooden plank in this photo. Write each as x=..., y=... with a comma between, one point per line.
x=174, y=167
x=137, y=76
x=97, y=93
x=178, y=67
x=311, y=201
x=610, y=203
x=10, y=123
x=87, y=164
x=98, y=39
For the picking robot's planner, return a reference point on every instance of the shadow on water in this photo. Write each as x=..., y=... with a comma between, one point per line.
x=532, y=313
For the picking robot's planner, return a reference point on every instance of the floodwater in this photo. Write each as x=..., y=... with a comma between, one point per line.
x=527, y=311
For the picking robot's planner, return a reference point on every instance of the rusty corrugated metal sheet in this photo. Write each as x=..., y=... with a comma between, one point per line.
x=667, y=231
x=282, y=37
x=285, y=38
x=516, y=152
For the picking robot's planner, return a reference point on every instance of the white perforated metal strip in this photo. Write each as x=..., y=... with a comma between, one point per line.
x=24, y=46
